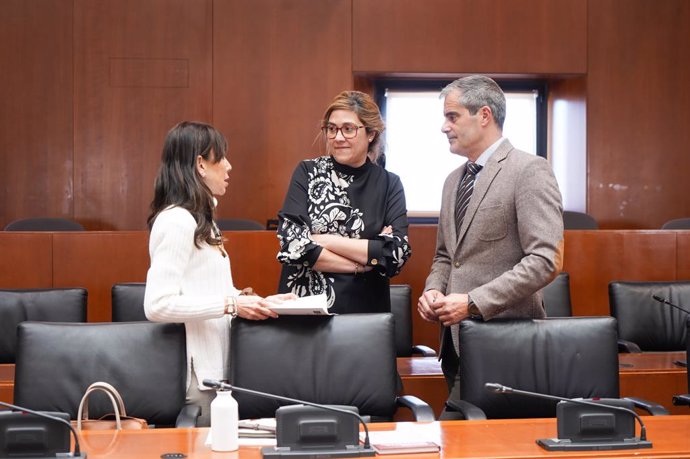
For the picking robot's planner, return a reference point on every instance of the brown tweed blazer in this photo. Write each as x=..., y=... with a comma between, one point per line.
x=511, y=241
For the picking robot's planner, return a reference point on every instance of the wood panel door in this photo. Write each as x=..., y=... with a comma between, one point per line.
x=277, y=65
x=141, y=66
x=637, y=111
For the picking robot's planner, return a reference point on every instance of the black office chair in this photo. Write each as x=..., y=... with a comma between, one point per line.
x=567, y=357
x=44, y=224
x=46, y=305
x=578, y=221
x=684, y=399
x=677, y=224
x=145, y=361
x=128, y=302
x=401, y=307
x=339, y=360
x=557, y=297
x=645, y=324
x=239, y=224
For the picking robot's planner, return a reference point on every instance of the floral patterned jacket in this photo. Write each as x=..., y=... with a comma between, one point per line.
x=326, y=197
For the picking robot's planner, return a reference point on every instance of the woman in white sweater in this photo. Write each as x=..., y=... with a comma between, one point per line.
x=190, y=279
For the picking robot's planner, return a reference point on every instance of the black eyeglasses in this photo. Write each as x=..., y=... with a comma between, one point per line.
x=348, y=130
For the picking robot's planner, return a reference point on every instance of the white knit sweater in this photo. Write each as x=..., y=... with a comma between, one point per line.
x=189, y=284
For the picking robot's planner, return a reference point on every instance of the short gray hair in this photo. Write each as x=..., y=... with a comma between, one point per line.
x=477, y=91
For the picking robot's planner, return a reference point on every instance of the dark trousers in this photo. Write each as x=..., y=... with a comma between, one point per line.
x=450, y=366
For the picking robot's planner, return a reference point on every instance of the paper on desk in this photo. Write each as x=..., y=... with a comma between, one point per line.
x=247, y=441
x=406, y=432
x=315, y=305
x=257, y=428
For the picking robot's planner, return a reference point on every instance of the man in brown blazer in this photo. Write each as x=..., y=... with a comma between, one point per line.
x=500, y=231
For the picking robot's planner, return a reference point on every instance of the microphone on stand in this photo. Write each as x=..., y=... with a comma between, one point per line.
x=665, y=301
x=20, y=437
x=585, y=430
x=308, y=428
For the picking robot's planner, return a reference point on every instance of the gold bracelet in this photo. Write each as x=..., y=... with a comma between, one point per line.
x=356, y=268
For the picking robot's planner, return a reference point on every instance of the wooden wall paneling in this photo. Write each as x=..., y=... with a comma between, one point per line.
x=26, y=261
x=460, y=36
x=141, y=66
x=596, y=257
x=683, y=255
x=36, y=109
x=277, y=65
x=638, y=73
x=253, y=260
x=96, y=261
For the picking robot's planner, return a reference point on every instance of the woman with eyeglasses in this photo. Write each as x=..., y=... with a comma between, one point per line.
x=343, y=225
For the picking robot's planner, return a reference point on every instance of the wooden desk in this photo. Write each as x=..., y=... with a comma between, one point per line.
x=515, y=438
x=6, y=382
x=422, y=376
x=652, y=376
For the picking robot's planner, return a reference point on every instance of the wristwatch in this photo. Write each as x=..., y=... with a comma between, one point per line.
x=474, y=311
x=231, y=307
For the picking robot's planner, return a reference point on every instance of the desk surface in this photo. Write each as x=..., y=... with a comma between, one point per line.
x=652, y=362
x=513, y=438
x=628, y=363
x=651, y=375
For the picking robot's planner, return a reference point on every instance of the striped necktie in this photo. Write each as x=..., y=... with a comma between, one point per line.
x=461, y=202
x=465, y=193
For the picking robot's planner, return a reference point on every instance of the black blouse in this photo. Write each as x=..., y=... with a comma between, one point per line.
x=326, y=197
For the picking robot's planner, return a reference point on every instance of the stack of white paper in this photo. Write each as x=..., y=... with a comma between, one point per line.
x=315, y=305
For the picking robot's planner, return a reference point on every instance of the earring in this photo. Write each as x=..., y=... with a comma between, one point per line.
x=203, y=174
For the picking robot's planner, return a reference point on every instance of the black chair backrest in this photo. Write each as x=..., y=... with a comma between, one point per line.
x=239, y=224
x=402, y=314
x=128, y=302
x=578, y=221
x=44, y=305
x=568, y=357
x=343, y=360
x=677, y=224
x=44, y=224
x=145, y=361
x=651, y=325
x=557, y=297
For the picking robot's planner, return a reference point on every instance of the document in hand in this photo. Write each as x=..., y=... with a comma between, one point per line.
x=315, y=305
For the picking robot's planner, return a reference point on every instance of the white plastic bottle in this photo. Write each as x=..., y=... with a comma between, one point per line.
x=224, y=422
